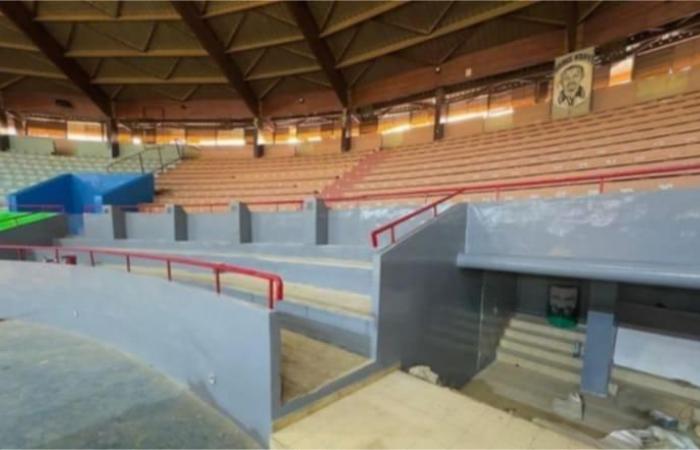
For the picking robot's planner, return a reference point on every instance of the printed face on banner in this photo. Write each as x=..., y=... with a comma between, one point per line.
x=572, y=86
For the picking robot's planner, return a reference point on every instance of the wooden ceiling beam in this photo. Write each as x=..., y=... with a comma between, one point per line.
x=189, y=13
x=357, y=19
x=457, y=25
x=307, y=24
x=22, y=18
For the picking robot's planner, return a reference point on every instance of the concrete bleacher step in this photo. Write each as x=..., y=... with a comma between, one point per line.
x=531, y=395
x=546, y=368
x=539, y=326
x=529, y=342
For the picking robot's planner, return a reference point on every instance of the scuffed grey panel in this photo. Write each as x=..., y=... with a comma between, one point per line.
x=207, y=227
x=428, y=308
x=659, y=227
x=277, y=226
x=150, y=226
x=353, y=226
x=226, y=351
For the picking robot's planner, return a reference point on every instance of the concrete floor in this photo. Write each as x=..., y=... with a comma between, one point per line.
x=529, y=394
x=400, y=411
x=59, y=390
x=308, y=364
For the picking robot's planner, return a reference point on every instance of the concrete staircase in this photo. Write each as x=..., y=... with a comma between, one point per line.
x=354, y=175
x=532, y=343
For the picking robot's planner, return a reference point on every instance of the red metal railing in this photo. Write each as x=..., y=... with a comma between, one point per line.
x=599, y=178
x=145, y=207
x=275, y=291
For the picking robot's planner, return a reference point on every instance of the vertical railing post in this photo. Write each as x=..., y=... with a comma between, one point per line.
x=393, y=235
x=170, y=272
x=128, y=263
x=270, y=296
x=92, y=258
x=217, y=280
x=601, y=185
x=57, y=255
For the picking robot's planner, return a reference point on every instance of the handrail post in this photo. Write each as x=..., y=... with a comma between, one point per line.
x=217, y=280
x=57, y=255
x=128, y=263
x=393, y=235
x=280, y=289
x=170, y=273
x=270, y=297
x=601, y=185
x=92, y=258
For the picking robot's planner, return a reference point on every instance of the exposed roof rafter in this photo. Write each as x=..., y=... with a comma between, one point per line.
x=307, y=24
x=457, y=25
x=22, y=18
x=207, y=38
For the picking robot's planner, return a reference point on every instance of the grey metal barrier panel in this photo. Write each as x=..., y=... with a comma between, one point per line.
x=429, y=310
x=226, y=351
x=651, y=227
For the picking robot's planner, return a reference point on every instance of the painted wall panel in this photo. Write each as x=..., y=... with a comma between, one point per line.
x=653, y=227
x=663, y=355
x=187, y=333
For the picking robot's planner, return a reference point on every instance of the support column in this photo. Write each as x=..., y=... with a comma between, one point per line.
x=242, y=230
x=179, y=221
x=601, y=333
x=113, y=137
x=315, y=222
x=572, y=27
x=346, y=137
x=438, y=126
x=4, y=138
x=258, y=149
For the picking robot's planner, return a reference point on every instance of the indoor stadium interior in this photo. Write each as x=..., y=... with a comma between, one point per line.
x=350, y=224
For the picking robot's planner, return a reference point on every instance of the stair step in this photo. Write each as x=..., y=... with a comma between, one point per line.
x=547, y=368
x=541, y=327
x=599, y=417
x=543, y=355
x=538, y=340
x=643, y=380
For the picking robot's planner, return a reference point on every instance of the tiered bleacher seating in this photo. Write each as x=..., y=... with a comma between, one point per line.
x=22, y=169
x=645, y=135
x=217, y=178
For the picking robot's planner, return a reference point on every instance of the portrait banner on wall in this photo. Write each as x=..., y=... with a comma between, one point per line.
x=573, y=84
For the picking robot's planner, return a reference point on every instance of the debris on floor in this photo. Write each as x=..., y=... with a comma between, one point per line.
x=569, y=408
x=664, y=420
x=425, y=373
x=648, y=438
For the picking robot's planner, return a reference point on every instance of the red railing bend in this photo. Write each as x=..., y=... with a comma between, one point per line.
x=599, y=178
x=391, y=226
x=275, y=290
